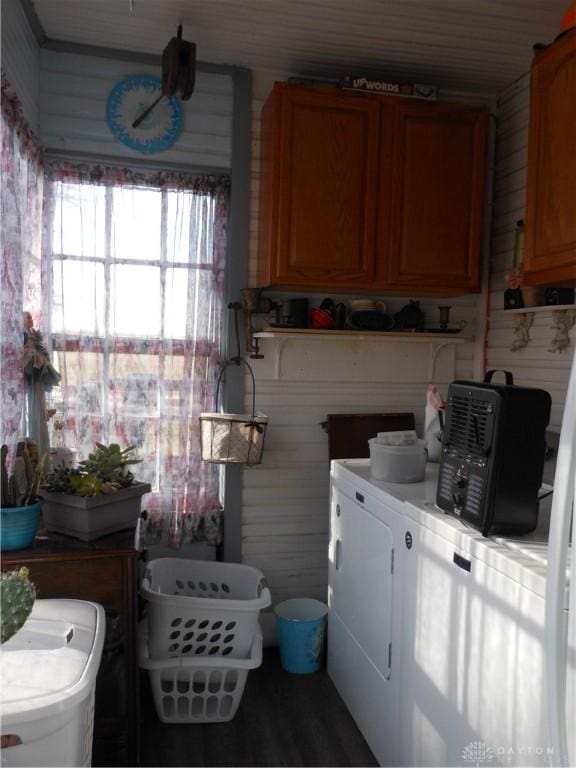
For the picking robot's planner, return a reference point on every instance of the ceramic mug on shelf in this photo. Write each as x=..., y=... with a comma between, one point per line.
x=366, y=305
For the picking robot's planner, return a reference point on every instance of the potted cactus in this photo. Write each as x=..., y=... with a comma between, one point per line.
x=20, y=504
x=17, y=595
x=97, y=497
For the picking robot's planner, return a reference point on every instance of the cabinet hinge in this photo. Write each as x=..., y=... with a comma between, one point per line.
x=392, y=563
x=389, y=655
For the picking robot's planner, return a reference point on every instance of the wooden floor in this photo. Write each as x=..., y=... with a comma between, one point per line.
x=283, y=720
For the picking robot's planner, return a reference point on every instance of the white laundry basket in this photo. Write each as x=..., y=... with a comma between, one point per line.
x=202, y=608
x=196, y=689
x=47, y=683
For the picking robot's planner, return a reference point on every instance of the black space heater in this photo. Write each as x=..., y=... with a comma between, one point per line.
x=493, y=454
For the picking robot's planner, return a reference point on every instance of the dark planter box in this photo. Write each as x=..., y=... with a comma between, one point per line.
x=89, y=517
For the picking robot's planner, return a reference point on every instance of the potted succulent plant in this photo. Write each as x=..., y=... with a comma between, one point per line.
x=20, y=505
x=97, y=497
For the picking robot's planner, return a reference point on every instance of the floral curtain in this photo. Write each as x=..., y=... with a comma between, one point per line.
x=21, y=208
x=135, y=285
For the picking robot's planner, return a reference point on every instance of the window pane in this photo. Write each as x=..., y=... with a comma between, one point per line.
x=186, y=291
x=79, y=220
x=135, y=301
x=134, y=384
x=81, y=398
x=176, y=306
x=178, y=240
x=136, y=228
x=190, y=222
x=78, y=297
x=140, y=431
x=81, y=368
x=123, y=365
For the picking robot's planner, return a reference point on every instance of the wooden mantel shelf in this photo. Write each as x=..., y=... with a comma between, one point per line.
x=546, y=308
x=307, y=334
x=434, y=341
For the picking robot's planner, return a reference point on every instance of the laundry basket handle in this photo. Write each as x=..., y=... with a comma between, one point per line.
x=237, y=361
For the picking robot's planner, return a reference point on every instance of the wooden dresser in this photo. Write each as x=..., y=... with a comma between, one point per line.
x=104, y=571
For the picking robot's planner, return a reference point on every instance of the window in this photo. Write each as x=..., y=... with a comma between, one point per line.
x=135, y=283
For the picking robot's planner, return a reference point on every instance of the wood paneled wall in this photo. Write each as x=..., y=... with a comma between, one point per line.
x=73, y=94
x=20, y=59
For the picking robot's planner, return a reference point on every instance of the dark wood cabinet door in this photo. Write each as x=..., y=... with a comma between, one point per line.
x=550, y=242
x=438, y=199
x=319, y=209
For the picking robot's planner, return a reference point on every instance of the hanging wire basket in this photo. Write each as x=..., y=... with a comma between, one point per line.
x=233, y=438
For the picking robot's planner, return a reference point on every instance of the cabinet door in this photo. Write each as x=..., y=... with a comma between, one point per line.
x=322, y=222
x=550, y=243
x=438, y=197
x=361, y=578
x=364, y=631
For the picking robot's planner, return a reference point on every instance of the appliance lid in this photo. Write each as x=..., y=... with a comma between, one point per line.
x=51, y=662
x=524, y=558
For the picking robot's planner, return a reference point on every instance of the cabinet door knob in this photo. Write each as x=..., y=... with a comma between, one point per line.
x=337, y=510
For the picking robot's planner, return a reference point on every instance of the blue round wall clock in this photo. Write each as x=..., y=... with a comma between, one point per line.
x=128, y=100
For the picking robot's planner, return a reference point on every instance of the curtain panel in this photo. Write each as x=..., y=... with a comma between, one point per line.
x=21, y=212
x=135, y=283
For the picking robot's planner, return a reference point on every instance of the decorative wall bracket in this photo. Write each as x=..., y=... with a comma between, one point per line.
x=522, y=325
x=435, y=350
x=563, y=321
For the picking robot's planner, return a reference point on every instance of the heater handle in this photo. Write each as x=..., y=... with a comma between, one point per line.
x=508, y=376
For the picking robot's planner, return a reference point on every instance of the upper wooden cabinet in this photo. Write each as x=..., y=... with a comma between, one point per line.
x=319, y=183
x=368, y=193
x=438, y=190
x=550, y=241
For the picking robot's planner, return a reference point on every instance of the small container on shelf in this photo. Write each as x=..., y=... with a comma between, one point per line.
x=558, y=296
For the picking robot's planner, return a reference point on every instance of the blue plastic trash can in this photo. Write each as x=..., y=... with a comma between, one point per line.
x=301, y=627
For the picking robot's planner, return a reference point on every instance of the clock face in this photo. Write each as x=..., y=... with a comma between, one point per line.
x=128, y=100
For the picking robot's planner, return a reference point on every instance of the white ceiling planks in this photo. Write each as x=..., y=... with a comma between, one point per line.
x=480, y=45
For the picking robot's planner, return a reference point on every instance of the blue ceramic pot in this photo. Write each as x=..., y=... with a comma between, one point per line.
x=18, y=526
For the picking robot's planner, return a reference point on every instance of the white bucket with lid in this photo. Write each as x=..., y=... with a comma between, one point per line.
x=397, y=463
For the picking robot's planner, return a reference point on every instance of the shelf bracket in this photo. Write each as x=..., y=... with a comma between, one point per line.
x=563, y=321
x=522, y=324
x=278, y=348
x=435, y=350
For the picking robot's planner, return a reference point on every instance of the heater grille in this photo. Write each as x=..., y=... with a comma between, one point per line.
x=469, y=428
x=467, y=446
x=474, y=496
x=445, y=481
